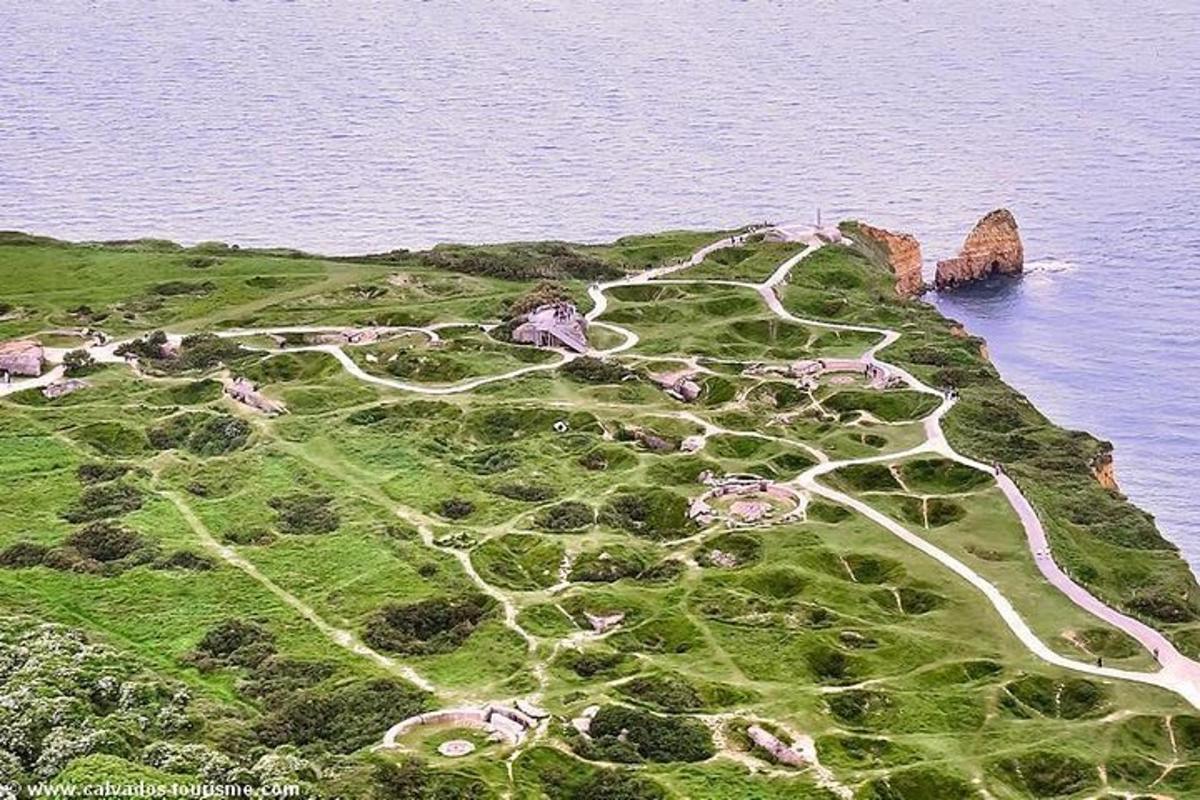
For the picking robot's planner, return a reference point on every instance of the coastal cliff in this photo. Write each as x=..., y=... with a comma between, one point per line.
x=900, y=252
x=993, y=247
x=1104, y=470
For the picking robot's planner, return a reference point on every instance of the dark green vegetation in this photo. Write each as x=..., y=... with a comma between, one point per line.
x=370, y=532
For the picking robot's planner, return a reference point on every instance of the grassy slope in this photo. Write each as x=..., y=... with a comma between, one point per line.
x=816, y=608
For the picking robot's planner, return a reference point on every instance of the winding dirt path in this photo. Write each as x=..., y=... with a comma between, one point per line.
x=1178, y=673
x=342, y=638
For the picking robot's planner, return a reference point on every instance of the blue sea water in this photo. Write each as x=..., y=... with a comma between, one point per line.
x=356, y=126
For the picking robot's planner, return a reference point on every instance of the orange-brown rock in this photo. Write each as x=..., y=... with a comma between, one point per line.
x=903, y=254
x=993, y=247
x=1104, y=470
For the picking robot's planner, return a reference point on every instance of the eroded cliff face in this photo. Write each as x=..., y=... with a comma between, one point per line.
x=1104, y=470
x=903, y=253
x=993, y=247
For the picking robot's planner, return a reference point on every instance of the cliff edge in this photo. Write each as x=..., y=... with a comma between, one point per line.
x=993, y=247
x=901, y=252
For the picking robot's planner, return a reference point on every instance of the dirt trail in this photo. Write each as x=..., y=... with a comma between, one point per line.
x=341, y=637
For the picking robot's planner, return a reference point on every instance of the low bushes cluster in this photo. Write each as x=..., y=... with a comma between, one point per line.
x=568, y=515
x=730, y=550
x=652, y=513
x=588, y=369
x=302, y=513
x=677, y=694
x=456, y=508
x=100, y=473
x=630, y=735
x=525, y=492
x=413, y=779
x=100, y=548
x=344, y=718
x=249, y=646
x=1046, y=773
x=520, y=262
x=544, y=293
x=436, y=625
x=104, y=500
x=201, y=433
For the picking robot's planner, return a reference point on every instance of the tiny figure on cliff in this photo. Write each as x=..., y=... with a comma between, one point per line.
x=1099, y=661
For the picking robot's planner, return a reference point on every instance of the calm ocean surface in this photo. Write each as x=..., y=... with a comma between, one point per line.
x=356, y=126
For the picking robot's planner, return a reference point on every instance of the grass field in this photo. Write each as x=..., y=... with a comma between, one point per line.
x=309, y=580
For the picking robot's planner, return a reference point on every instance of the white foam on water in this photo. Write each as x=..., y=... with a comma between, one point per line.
x=1050, y=265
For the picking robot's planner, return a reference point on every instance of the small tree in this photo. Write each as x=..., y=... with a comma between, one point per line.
x=78, y=362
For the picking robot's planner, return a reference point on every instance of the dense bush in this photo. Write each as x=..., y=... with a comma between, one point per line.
x=78, y=362
x=100, y=473
x=67, y=698
x=232, y=643
x=186, y=560
x=104, y=542
x=1045, y=773
x=588, y=369
x=653, y=513
x=527, y=492
x=590, y=663
x=519, y=262
x=174, y=288
x=492, y=461
x=411, y=779
x=436, y=625
x=149, y=346
x=456, y=508
x=651, y=737
x=730, y=549
x=103, y=500
x=545, y=293
x=276, y=674
x=566, y=516
x=218, y=436
x=343, y=719
x=23, y=554
x=302, y=513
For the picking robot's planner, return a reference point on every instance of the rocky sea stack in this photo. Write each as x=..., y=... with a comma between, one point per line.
x=993, y=247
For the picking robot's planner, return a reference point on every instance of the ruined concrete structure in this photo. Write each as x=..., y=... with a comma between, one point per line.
x=553, y=325
x=993, y=247
x=22, y=357
x=777, y=749
x=502, y=723
x=246, y=393
x=59, y=389
x=902, y=252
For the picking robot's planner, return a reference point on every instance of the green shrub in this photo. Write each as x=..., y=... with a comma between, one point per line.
x=103, y=541
x=821, y=511
x=102, y=500
x=185, y=560
x=1045, y=773
x=436, y=625
x=78, y=362
x=218, y=436
x=651, y=737
x=743, y=548
x=456, y=508
x=526, y=492
x=232, y=643
x=301, y=513
x=23, y=554
x=100, y=473
x=566, y=516
x=343, y=719
x=653, y=513
x=588, y=369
